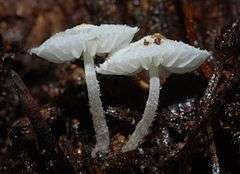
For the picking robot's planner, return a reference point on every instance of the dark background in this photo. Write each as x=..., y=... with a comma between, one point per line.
x=61, y=92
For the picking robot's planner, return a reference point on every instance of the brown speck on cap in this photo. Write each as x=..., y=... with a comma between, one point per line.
x=145, y=42
x=158, y=38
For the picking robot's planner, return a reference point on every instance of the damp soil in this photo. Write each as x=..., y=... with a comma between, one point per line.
x=45, y=123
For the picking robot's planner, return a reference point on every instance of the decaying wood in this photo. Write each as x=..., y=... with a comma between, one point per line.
x=44, y=139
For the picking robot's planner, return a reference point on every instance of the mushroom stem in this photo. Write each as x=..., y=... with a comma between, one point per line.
x=96, y=109
x=143, y=126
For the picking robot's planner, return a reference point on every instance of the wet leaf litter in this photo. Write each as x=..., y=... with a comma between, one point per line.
x=63, y=87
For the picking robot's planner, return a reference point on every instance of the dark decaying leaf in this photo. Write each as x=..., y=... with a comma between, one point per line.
x=197, y=127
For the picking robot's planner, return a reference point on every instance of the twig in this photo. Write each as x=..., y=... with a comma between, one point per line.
x=209, y=104
x=33, y=108
x=53, y=157
x=189, y=21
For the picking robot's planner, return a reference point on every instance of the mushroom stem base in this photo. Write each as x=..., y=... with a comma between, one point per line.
x=96, y=109
x=142, y=128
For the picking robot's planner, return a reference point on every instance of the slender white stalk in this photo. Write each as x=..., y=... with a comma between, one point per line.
x=99, y=122
x=143, y=126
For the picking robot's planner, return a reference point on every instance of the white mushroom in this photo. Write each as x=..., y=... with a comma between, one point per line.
x=88, y=40
x=157, y=55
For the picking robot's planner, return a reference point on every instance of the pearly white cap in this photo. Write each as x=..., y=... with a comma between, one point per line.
x=114, y=37
x=72, y=43
x=169, y=55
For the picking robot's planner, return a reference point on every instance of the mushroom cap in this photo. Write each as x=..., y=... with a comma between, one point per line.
x=154, y=50
x=114, y=37
x=72, y=43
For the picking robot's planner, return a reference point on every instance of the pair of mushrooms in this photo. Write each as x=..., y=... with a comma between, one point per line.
x=155, y=53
